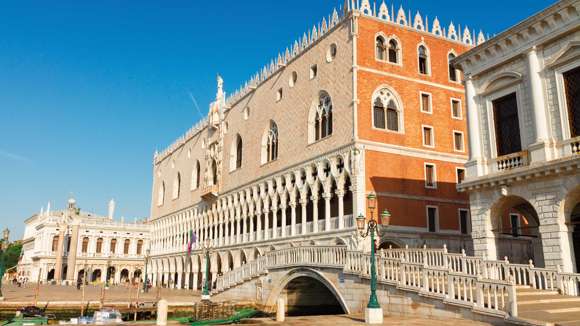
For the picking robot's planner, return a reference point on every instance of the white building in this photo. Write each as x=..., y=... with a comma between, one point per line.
x=523, y=103
x=100, y=244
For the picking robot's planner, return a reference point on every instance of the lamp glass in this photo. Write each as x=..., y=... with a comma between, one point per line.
x=386, y=217
x=371, y=201
x=360, y=222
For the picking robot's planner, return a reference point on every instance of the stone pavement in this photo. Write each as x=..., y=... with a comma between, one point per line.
x=341, y=320
x=64, y=294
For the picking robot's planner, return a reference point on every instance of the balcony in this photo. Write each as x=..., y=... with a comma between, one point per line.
x=511, y=161
x=210, y=193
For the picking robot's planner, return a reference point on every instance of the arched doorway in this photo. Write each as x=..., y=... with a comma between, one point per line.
x=308, y=292
x=243, y=259
x=137, y=274
x=110, y=274
x=389, y=244
x=516, y=224
x=124, y=275
x=96, y=275
x=50, y=275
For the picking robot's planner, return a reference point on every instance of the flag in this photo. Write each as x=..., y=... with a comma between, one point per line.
x=192, y=240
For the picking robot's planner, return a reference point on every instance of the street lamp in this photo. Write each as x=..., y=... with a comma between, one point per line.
x=145, y=287
x=205, y=291
x=374, y=312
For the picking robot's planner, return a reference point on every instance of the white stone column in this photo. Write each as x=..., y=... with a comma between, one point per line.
x=266, y=223
x=223, y=224
x=303, y=203
x=195, y=281
x=259, y=226
x=179, y=279
x=340, y=196
x=244, y=227
x=314, y=213
x=252, y=233
x=274, y=222
x=539, y=152
x=327, y=197
x=293, y=218
x=238, y=228
x=283, y=208
x=474, y=166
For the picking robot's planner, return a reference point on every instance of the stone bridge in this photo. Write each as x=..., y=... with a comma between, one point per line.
x=428, y=282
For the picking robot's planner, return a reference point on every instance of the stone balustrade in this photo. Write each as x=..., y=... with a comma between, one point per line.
x=485, y=286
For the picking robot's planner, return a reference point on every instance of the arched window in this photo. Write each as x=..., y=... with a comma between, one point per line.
x=423, y=55
x=213, y=176
x=195, y=175
x=236, y=153
x=386, y=111
x=321, y=118
x=113, y=245
x=381, y=48
x=139, y=247
x=177, y=186
x=85, y=246
x=452, y=70
x=161, y=194
x=126, y=246
x=99, y=248
x=270, y=144
x=55, y=243
x=393, y=51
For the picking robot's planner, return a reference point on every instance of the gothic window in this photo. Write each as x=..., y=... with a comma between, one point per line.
x=386, y=111
x=270, y=144
x=393, y=51
x=126, y=246
x=213, y=177
x=113, y=245
x=572, y=85
x=55, y=243
x=423, y=55
x=507, y=127
x=195, y=176
x=452, y=70
x=236, y=153
x=177, y=186
x=139, y=247
x=321, y=117
x=99, y=248
x=381, y=48
x=85, y=245
x=161, y=194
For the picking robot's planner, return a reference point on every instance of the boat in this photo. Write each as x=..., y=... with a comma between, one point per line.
x=234, y=319
x=105, y=316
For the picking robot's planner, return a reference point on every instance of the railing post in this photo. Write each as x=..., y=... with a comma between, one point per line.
x=560, y=280
x=445, y=257
x=531, y=276
x=479, y=292
x=450, y=286
x=512, y=299
x=425, y=287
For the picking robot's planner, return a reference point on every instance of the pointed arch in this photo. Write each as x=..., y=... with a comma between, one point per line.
x=270, y=143
x=453, y=73
x=320, y=120
x=236, y=153
x=195, y=175
x=380, y=48
x=161, y=194
x=177, y=186
x=387, y=110
x=424, y=61
x=394, y=51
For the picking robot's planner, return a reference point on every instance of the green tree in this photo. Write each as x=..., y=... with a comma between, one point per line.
x=12, y=254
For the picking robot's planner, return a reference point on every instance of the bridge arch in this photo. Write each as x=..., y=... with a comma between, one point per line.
x=305, y=273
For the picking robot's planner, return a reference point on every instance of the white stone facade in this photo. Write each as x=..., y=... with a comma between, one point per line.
x=51, y=236
x=523, y=200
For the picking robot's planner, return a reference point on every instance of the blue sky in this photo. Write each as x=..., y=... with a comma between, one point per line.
x=89, y=89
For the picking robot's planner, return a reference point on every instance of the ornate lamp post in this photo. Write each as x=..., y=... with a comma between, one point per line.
x=145, y=287
x=205, y=291
x=374, y=312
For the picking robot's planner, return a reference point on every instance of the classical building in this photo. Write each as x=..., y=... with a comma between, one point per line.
x=523, y=110
x=106, y=249
x=366, y=101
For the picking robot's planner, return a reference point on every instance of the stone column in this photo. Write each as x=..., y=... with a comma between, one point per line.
x=195, y=281
x=252, y=233
x=238, y=228
x=59, y=254
x=293, y=218
x=283, y=208
x=340, y=196
x=538, y=150
x=266, y=223
x=314, y=213
x=274, y=222
x=474, y=166
x=303, y=203
x=259, y=226
x=327, y=197
x=244, y=227
x=179, y=279
x=72, y=254
x=221, y=234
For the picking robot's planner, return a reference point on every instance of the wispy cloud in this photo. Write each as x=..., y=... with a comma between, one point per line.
x=14, y=157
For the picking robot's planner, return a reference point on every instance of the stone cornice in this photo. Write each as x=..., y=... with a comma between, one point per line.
x=562, y=166
x=553, y=21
